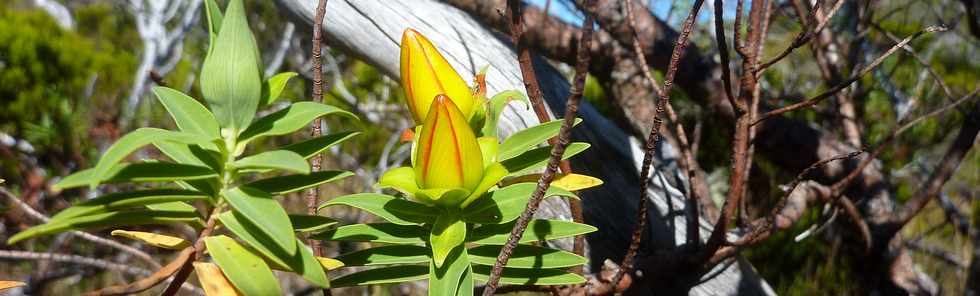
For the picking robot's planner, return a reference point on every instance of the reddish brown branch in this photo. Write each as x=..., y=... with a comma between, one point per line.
x=654, y=137
x=313, y=194
x=571, y=109
x=818, y=98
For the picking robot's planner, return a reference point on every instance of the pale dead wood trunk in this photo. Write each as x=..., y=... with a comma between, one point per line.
x=371, y=31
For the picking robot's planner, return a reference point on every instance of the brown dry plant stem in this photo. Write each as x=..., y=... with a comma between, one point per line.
x=571, y=109
x=313, y=194
x=654, y=138
x=187, y=266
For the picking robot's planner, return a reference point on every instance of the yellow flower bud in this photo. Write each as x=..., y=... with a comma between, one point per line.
x=448, y=154
x=425, y=74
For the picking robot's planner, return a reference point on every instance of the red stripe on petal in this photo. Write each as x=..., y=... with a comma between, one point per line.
x=458, y=155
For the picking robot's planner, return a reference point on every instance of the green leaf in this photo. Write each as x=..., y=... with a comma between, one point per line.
x=537, y=230
x=390, y=208
x=121, y=200
x=401, y=179
x=190, y=115
x=505, y=204
x=311, y=147
x=528, y=138
x=260, y=209
x=310, y=223
x=134, y=141
x=536, y=277
x=139, y=172
x=526, y=256
x=230, y=79
x=288, y=120
x=383, y=275
x=376, y=233
x=454, y=276
x=281, y=185
x=176, y=206
x=387, y=255
x=111, y=219
x=190, y=154
x=537, y=158
x=245, y=270
x=213, y=13
x=272, y=87
x=497, y=104
x=299, y=260
x=276, y=159
x=447, y=233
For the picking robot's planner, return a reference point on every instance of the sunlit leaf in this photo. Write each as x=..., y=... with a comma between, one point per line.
x=139, y=172
x=570, y=182
x=112, y=219
x=537, y=277
x=383, y=275
x=452, y=277
x=122, y=200
x=288, y=120
x=212, y=280
x=329, y=264
x=311, y=147
x=528, y=138
x=390, y=208
x=154, y=239
x=230, y=79
x=263, y=211
x=189, y=115
x=310, y=223
x=377, y=233
x=276, y=159
x=448, y=232
x=272, y=87
x=299, y=260
x=244, y=270
x=505, y=204
x=134, y=141
x=537, y=158
x=281, y=185
x=526, y=256
x=537, y=230
x=387, y=255
x=10, y=284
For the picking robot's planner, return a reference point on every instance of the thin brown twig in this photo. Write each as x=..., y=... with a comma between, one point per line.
x=806, y=35
x=187, y=266
x=654, y=137
x=818, y=98
x=571, y=109
x=726, y=70
x=81, y=234
x=687, y=159
x=313, y=194
x=161, y=275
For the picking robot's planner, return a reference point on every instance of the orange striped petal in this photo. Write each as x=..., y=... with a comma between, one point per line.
x=448, y=154
x=426, y=73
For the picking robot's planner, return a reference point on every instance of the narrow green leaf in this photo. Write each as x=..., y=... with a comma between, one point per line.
x=190, y=115
x=281, y=185
x=537, y=158
x=311, y=147
x=497, y=104
x=448, y=232
x=213, y=13
x=383, y=275
x=454, y=276
x=262, y=210
x=536, y=277
x=527, y=256
x=128, y=218
x=299, y=260
x=245, y=270
x=276, y=159
x=537, y=230
x=288, y=120
x=139, y=172
x=230, y=79
x=272, y=87
x=134, y=141
x=310, y=223
x=390, y=208
x=121, y=200
x=190, y=154
x=505, y=204
x=176, y=206
x=528, y=138
x=376, y=233
x=387, y=255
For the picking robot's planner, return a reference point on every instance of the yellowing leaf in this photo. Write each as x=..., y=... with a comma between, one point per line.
x=329, y=264
x=570, y=182
x=153, y=239
x=213, y=281
x=10, y=284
